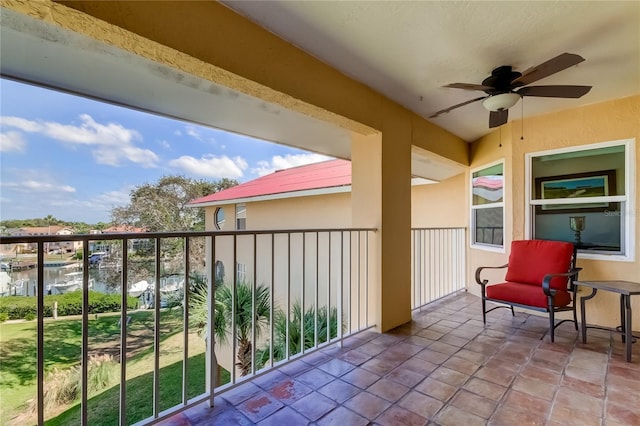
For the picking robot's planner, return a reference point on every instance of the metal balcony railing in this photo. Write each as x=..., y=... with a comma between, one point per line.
x=306, y=289
x=438, y=264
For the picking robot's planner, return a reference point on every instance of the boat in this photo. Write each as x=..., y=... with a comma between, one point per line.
x=5, y=283
x=171, y=284
x=72, y=282
x=138, y=288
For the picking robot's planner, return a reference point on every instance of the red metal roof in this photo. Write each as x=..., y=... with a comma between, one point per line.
x=326, y=174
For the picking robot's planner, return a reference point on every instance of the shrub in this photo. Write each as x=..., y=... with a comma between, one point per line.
x=63, y=387
x=30, y=316
x=4, y=316
x=103, y=373
x=19, y=307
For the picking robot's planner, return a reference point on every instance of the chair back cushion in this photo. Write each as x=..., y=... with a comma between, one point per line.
x=531, y=260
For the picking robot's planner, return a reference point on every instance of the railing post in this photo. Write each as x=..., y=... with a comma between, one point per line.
x=156, y=331
x=185, y=323
x=40, y=336
x=85, y=332
x=123, y=334
x=211, y=301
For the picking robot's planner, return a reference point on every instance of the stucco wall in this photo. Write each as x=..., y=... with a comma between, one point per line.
x=324, y=211
x=603, y=122
x=440, y=205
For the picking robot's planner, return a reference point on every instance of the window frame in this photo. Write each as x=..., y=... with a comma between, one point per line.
x=472, y=219
x=219, y=225
x=627, y=243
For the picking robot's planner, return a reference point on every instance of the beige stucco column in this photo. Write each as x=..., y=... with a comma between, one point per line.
x=381, y=198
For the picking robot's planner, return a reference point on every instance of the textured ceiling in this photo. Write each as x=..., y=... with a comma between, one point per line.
x=408, y=50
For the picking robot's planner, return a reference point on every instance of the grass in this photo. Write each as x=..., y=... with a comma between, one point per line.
x=62, y=350
x=102, y=409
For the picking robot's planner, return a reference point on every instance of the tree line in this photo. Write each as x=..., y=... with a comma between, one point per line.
x=155, y=207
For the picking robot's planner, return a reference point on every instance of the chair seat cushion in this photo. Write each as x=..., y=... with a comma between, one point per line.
x=526, y=294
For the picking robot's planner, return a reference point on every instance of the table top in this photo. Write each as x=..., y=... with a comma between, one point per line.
x=622, y=287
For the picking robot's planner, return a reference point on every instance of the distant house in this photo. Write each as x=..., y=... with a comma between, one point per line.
x=52, y=247
x=136, y=244
x=314, y=196
x=121, y=229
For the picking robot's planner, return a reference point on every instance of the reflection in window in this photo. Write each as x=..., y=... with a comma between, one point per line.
x=487, y=206
x=241, y=216
x=219, y=218
x=580, y=196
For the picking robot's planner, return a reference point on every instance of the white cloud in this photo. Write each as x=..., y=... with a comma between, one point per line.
x=279, y=162
x=21, y=123
x=109, y=156
x=164, y=143
x=12, y=141
x=193, y=132
x=38, y=186
x=211, y=166
x=112, y=143
x=114, y=198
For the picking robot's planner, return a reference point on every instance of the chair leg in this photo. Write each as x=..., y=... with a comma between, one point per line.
x=484, y=310
x=552, y=321
x=575, y=316
x=513, y=313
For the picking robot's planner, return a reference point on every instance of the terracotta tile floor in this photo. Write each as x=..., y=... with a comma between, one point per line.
x=445, y=368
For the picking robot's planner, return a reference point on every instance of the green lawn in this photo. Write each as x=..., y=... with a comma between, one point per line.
x=62, y=350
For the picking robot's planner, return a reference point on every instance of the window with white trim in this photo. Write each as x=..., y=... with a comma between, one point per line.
x=584, y=195
x=241, y=216
x=487, y=206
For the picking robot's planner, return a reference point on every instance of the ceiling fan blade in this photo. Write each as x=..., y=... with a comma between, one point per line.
x=442, y=111
x=552, y=66
x=498, y=118
x=469, y=86
x=555, y=91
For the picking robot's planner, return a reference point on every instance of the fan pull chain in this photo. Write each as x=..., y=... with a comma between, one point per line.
x=500, y=144
x=522, y=121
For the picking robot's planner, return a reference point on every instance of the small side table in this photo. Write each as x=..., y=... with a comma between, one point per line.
x=625, y=289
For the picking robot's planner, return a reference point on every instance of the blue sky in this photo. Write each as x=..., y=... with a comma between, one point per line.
x=76, y=159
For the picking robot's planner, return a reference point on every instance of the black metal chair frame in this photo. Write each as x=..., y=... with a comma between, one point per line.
x=548, y=291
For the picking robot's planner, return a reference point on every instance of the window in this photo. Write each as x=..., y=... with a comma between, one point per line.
x=241, y=272
x=584, y=195
x=241, y=216
x=487, y=206
x=218, y=217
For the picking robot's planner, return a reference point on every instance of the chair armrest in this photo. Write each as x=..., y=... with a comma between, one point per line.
x=479, y=270
x=546, y=281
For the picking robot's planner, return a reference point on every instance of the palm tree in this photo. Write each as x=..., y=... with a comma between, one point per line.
x=295, y=338
x=224, y=317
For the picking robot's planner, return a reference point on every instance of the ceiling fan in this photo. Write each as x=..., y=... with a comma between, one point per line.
x=504, y=87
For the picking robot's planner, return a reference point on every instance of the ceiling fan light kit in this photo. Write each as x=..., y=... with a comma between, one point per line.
x=504, y=87
x=501, y=101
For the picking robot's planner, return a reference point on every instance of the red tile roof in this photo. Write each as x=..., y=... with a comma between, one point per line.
x=120, y=229
x=327, y=174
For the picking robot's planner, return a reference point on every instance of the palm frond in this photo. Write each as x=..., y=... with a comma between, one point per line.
x=299, y=324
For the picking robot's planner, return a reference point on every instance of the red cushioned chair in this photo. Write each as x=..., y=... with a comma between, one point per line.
x=540, y=276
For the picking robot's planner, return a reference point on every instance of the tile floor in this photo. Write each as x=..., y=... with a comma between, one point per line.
x=445, y=368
